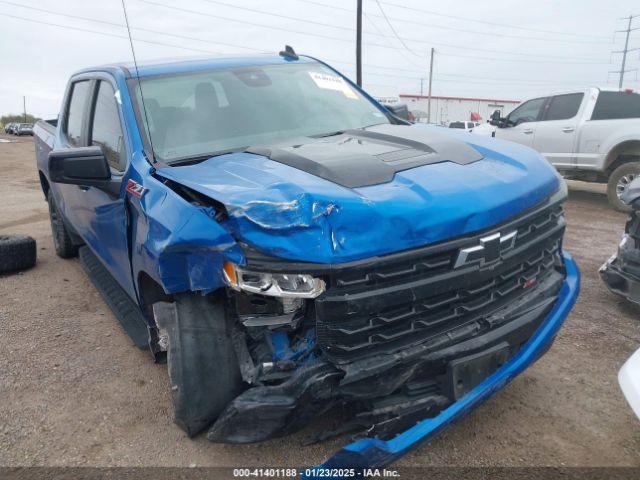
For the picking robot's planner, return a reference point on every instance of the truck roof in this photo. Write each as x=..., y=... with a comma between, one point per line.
x=168, y=66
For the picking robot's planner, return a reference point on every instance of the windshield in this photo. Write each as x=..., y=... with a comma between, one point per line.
x=456, y=125
x=196, y=114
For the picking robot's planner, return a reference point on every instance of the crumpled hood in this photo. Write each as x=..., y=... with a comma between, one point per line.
x=287, y=212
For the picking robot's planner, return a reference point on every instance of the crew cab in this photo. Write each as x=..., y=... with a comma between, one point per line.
x=287, y=245
x=591, y=135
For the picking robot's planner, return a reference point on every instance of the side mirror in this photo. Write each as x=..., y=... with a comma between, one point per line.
x=496, y=120
x=399, y=110
x=85, y=166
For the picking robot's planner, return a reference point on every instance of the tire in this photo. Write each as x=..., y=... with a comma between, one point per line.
x=17, y=252
x=619, y=178
x=62, y=241
x=203, y=370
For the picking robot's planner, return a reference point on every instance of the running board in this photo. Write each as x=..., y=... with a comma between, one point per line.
x=125, y=310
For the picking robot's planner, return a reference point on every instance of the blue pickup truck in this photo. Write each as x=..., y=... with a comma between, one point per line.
x=289, y=246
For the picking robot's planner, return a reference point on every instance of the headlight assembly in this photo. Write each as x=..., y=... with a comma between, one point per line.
x=284, y=285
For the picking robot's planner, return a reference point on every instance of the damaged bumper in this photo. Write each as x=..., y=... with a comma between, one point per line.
x=396, y=339
x=372, y=452
x=621, y=273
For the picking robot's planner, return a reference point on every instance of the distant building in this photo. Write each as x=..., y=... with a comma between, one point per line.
x=450, y=109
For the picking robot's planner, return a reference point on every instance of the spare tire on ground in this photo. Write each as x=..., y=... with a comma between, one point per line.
x=17, y=252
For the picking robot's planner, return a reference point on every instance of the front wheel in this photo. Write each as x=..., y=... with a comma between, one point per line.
x=203, y=370
x=618, y=182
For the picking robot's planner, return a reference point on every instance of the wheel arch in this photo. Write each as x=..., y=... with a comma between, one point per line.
x=624, y=152
x=150, y=292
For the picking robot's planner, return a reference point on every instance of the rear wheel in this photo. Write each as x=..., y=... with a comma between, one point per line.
x=62, y=241
x=619, y=180
x=203, y=369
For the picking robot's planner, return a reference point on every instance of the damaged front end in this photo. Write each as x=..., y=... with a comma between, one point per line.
x=391, y=340
x=621, y=273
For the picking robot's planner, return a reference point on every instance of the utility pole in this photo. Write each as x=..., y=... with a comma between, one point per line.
x=359, y=44
x=24, y=108
x=624, y=52
x=421, y=86
x=430, y=81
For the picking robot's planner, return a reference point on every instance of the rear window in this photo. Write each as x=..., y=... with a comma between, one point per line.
x=562, y=107
x=456, y=125
x=611, y=105
x=75, y=112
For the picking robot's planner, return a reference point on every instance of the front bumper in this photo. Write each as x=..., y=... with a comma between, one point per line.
x=371, y=452
x=621, y=272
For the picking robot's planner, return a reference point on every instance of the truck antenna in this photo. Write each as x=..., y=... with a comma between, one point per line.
x=135, y=63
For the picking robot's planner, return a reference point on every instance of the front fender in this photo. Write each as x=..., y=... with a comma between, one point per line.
x=178, y=244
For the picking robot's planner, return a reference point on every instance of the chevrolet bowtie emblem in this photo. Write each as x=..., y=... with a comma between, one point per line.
x=488, y=251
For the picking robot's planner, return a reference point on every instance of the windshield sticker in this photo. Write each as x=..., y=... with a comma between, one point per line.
x=117, y=95
x=332, y=82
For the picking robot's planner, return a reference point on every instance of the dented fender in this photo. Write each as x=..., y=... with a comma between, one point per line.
x=179, y=245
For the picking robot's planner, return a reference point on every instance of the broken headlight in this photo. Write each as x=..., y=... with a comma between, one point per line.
x=284, y=285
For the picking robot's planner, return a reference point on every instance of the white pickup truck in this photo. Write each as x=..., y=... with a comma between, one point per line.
x=591, y=135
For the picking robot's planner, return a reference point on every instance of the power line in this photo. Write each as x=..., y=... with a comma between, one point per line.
x=385, y=67
x=394, y=30
x=486, y=22
x=114, y=35
x=493, y=59
x=119, y=25
x=463, y=30
x=400, y=38
x=330, y=37
x=399, y=50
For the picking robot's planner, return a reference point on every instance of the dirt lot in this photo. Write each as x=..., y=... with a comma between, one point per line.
x=74, y=391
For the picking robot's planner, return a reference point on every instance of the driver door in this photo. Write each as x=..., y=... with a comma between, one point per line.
x=520, y=125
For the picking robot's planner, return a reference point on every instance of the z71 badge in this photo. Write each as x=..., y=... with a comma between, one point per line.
x=135, y=189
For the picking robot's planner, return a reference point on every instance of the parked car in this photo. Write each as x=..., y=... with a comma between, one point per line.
x=591, y=135
x=23, y=129
x=9, y=127
x=465, y=125
x=288, y=246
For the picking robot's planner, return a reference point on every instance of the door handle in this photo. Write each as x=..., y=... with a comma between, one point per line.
x=528, y=131
x=567, y=129
x=83, y=188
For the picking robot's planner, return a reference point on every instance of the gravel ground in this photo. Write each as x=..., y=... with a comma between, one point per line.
x=75, y=392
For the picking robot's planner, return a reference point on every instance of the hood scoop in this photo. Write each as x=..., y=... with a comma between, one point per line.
x=361, y=158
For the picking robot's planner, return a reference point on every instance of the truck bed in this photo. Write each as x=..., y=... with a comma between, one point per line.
x=44, y=134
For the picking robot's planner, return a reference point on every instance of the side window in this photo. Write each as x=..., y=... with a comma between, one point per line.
x=563, y=107
x=611, y=105
x=75, y=112
x=527, y=112
x=106, y=130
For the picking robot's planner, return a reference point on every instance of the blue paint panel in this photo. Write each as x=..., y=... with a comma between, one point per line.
x=181, y=247
x=288, y=213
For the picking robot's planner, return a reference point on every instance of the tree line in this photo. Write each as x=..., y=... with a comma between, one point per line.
x=18, y=118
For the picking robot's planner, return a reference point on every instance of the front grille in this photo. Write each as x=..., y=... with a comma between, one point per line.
x=404, y=299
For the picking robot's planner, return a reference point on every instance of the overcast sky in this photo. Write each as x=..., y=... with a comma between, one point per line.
x=498, y=49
